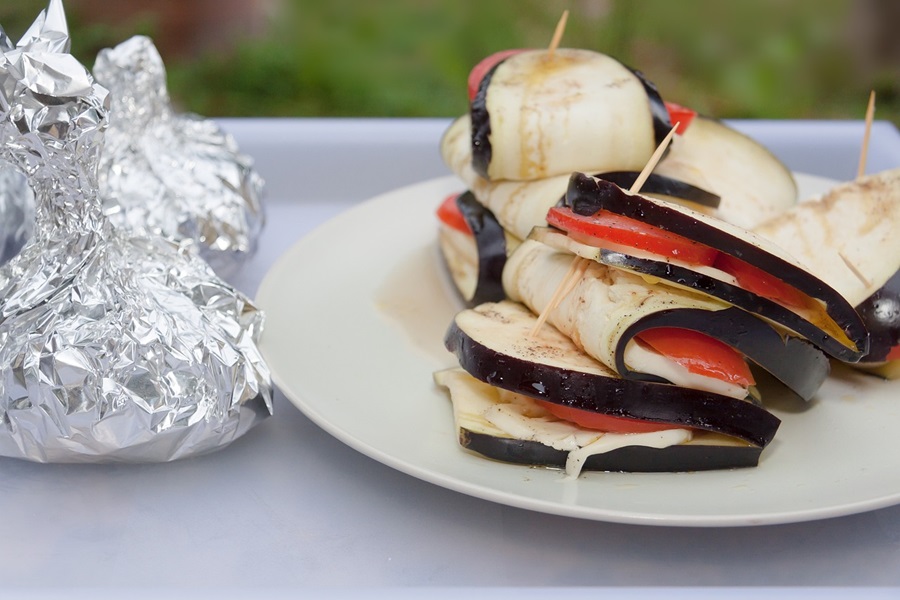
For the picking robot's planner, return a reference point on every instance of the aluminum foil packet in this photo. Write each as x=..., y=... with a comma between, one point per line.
x=113, y=346
x=171, y=174
x=16, y=211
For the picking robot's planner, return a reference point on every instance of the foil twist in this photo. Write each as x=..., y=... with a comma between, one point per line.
x=170, y=174
x=113, y=346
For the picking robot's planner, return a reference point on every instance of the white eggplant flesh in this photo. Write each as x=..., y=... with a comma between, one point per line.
x=461, y=258
x=601, y=306
x=848, y=237
x=561, y=242
x=517, y=205
x=551, y=114
x=753, y=184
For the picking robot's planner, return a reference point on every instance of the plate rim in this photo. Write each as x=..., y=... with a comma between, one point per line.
x=298, y=399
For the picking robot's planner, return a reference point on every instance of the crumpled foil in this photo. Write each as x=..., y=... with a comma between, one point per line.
x=113, y=346
x=171, y=174
x=16, y=211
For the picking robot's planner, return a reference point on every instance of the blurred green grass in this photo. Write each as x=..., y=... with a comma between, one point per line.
x=771, y=59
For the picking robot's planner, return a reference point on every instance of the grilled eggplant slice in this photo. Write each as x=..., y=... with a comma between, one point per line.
x=552, y=443
x=493, y=344
x=475, y=261
x=521, y=205
x=841, y=332
x=610, y=307
x=707, y=169
x=754, y=185
x=675, y=190
x=848, y=237
x=538, y=114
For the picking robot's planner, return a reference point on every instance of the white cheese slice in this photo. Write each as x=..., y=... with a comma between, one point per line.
x=482, y=408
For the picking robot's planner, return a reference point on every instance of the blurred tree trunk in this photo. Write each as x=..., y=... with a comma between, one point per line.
x=875, y=41
x=185, y=27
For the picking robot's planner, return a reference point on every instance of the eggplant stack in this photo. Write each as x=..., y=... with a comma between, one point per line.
x=535, y=118
x=660, y=316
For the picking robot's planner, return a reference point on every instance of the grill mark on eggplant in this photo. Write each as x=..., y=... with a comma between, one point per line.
x=481, y=125
x=587, y=195
x=609, y=395
x=794, y=362
x=631, y=459
x=490, y=242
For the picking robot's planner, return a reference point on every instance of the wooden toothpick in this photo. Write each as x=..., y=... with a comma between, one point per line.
x=860, y=171
x=651, y=164
x=870, y=115
x=576, y=271
x=558, y=33
x=579, y=265
x=862, y=278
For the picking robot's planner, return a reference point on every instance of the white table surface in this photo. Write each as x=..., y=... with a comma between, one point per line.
x=288, y=507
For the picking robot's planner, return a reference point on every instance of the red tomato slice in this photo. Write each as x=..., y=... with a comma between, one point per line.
x=764, y=284
x=606, y=229
x=681, y=115
x=482, y=68
x=696, y=352
x=699, y=354
x=449, y=214
x=591, y=420
x=604, y=226
x=894, y=354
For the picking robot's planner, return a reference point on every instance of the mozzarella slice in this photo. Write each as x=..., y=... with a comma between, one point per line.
x=481, y=408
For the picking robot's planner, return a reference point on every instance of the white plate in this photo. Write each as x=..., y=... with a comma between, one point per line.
x=356, y=313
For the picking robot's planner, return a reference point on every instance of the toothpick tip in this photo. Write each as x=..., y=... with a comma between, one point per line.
x=864, y=152
x=558, y=33
x=654, y=159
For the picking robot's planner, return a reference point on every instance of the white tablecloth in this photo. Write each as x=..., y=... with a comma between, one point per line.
x=289, y=507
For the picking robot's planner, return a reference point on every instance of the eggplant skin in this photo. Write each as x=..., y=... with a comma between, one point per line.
x=662, y=123
x=881, y=314
x=630, y=459
x=481, y=126
x=797, y=363
x=609, y=394
x=490, y=242
x=662, y=185
x=586, y=195
x=738, y=318
x=739, y=297
x=793, y=361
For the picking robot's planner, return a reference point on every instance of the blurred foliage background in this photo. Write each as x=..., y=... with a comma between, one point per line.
x=779, y=59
